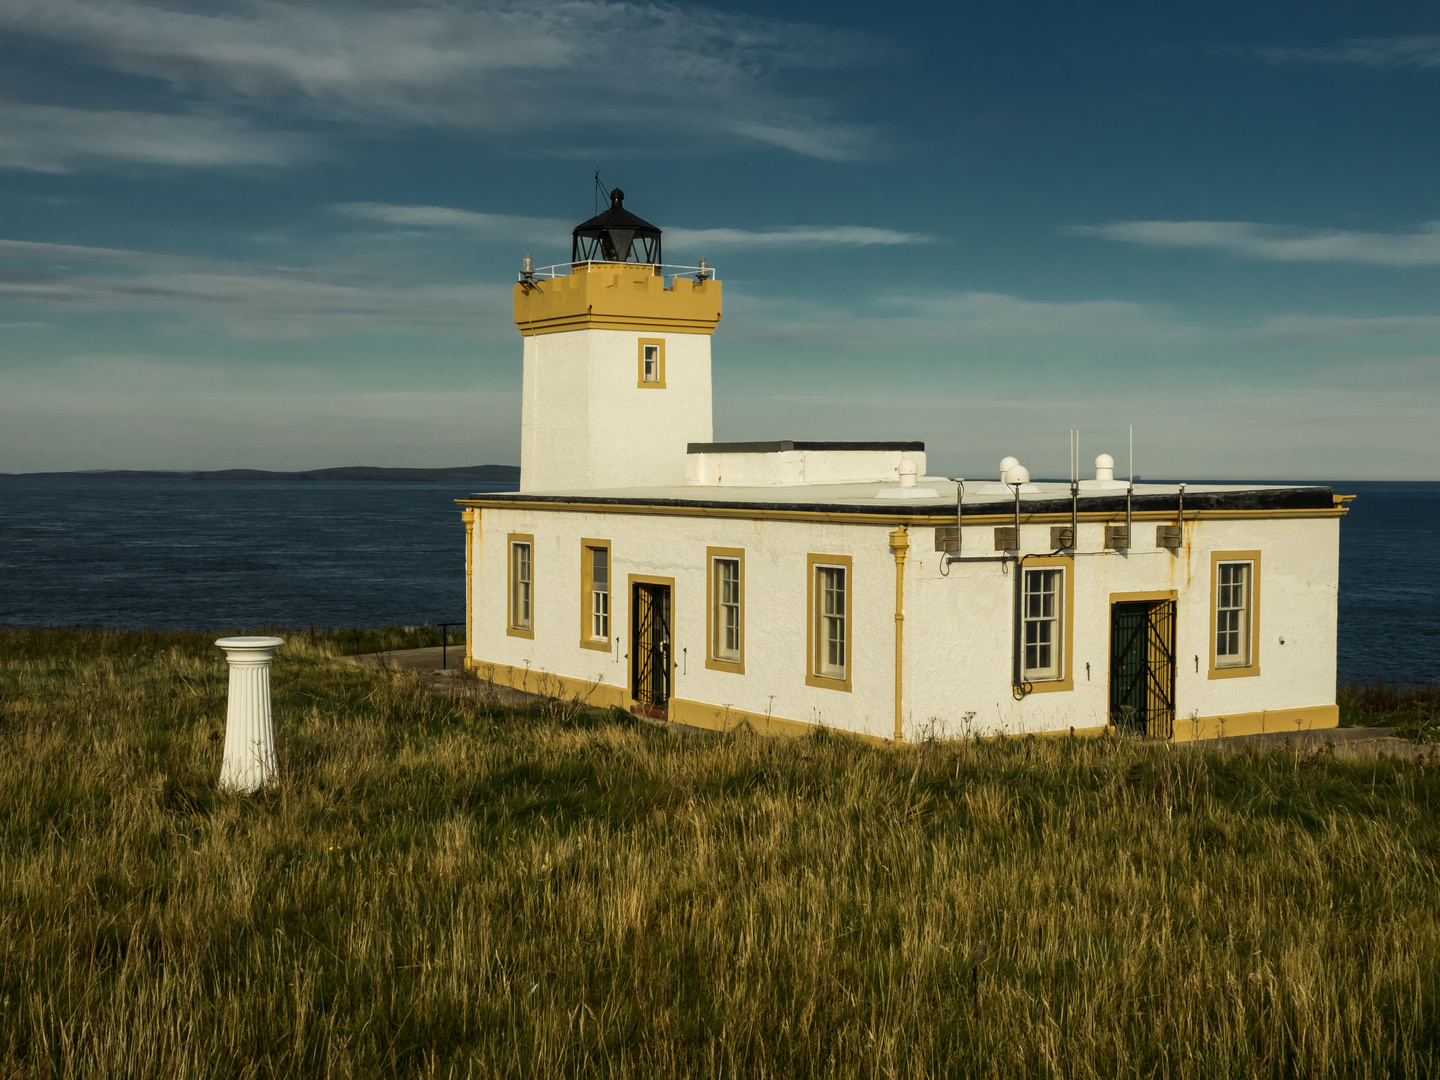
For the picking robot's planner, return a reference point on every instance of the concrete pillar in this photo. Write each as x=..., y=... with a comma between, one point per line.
x=249, y=734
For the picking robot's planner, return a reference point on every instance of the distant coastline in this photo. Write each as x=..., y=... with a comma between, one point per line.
x=462, y=474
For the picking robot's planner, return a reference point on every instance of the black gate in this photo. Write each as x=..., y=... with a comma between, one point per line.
x=1142, y=667
x=650, y=645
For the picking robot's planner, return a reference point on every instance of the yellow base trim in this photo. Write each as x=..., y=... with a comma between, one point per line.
x=535, y=681
x=1269, y=722
x=697, y=714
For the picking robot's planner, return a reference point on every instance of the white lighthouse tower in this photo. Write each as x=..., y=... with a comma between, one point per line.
x=617, y=365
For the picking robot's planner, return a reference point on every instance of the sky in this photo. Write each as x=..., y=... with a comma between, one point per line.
x=283, y=235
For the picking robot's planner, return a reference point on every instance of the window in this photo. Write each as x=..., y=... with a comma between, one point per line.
x=1234, y=613
x=831, y=586
x=521, y=572
x=829, y=624
x=1045, y=625
x=1232, y=642
x=595, y=594
x=652, y=364
x=1042, y=624
x=725, y=602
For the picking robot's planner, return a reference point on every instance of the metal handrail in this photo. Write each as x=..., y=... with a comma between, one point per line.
x=445, y=642
x=566, y=268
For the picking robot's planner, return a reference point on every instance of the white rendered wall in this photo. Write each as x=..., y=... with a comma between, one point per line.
x=787, y=467
x=586, y=424
x=962, y=661
x=958, y=629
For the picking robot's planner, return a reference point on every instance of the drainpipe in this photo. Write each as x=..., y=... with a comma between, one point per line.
x=899, y=547
x=470, y=518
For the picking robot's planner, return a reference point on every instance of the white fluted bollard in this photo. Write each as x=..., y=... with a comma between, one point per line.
x=249, y=732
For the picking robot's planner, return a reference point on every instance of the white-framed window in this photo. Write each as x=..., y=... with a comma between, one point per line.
x=1041, y=599
x=1233, y=585
x=521, y=585
x=651, y=364
x=599, y=594
x=831, y=617
x=726, y=586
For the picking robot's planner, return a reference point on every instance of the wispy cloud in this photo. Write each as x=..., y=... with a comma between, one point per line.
x=794, y=236
x=497, y=66
x=786, y=236
x=1417, y=247
x=49, y=138
x=244, y=300
x=449, y=218
x=1392, y=52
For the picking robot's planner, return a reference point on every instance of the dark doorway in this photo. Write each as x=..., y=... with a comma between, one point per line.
x=650, y=647
x=1142, y=667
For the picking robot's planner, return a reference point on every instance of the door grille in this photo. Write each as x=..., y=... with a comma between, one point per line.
x=650, y=645
x=1142, y=667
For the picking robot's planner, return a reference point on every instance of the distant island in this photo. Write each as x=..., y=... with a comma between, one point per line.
x=462, y=474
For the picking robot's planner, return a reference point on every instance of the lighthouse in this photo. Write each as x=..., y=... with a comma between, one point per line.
x=790, y=585
x=616, y=360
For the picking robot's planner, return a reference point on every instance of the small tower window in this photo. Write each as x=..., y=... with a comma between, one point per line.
x=652, y=364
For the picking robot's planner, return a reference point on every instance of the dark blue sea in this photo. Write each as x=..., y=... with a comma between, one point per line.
x=172, y=552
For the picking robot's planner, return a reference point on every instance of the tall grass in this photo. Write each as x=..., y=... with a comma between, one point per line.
x=441, y=886
x=1412, y=708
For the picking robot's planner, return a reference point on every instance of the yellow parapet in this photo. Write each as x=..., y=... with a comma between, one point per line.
x=617, y=296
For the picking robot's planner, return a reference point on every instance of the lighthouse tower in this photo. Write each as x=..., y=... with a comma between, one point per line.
x=617, y=364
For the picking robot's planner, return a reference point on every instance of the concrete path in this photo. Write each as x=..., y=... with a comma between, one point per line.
x=450, y=680
x=1347, y=742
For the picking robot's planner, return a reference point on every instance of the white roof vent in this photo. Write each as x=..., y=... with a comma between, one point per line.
x=1104, y=467
x=1006, y=464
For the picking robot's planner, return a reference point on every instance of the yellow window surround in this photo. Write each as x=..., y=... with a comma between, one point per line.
x=713, y=611
x=657, y=382
x=1252, y=660
x=513, y=596
x=813, y=564
x=1066, y=681
x=588, y=640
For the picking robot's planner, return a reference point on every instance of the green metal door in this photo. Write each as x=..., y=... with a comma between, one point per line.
x=1142, y=667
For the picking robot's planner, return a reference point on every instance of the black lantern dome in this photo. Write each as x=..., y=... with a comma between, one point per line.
x=616, y=235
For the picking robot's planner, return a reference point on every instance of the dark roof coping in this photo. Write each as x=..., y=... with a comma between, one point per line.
x=787, y=444
x=1296, y=498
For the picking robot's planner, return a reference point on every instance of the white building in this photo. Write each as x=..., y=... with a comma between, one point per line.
x=792, y=584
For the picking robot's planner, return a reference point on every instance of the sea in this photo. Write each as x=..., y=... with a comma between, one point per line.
x=173, y=552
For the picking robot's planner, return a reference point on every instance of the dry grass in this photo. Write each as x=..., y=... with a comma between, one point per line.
x=444, y=887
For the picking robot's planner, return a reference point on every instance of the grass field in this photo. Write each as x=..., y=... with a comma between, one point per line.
x=445, y=887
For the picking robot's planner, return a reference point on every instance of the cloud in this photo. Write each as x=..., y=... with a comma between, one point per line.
x=48, y=138
x=793, y=236
x=445, y=217
x=1395, y=52
x=1419, y=247
x=787, y=236
x=249, y=301
x=500, y=66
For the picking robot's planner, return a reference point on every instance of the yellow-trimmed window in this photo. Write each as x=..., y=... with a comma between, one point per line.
x=830, y=623
x=725, y=604
x=1234, y=613
x=651, y=375
x=595, y=578
x=520, y=572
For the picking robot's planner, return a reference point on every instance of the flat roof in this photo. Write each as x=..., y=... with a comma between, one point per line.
x=988, y=497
